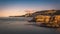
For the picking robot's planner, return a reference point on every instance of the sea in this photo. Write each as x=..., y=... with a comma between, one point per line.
x=20, y=25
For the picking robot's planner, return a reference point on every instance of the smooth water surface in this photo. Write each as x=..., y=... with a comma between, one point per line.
x=20, y=25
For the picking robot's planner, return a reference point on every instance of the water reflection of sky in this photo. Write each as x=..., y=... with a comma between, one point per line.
x=23, y=27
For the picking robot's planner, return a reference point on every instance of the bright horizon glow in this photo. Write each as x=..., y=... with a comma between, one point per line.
x=18, y=7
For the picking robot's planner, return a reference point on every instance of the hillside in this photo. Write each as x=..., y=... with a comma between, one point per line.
x=47, y=12
x=44, y=12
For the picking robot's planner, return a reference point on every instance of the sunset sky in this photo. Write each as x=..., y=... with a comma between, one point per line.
x=18, y=7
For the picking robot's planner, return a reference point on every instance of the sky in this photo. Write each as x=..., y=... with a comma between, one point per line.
x=19, y=7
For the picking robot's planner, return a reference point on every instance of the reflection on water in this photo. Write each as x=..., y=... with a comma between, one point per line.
x=21, y=26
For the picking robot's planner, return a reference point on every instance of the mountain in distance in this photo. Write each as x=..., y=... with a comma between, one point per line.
x=43, y=12
x=47, y=12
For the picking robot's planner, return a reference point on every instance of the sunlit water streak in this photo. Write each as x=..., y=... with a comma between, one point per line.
x=19, y=25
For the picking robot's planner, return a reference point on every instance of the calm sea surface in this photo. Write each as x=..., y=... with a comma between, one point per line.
x=20, y=25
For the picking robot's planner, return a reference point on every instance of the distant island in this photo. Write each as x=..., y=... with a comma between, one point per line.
x=18, y=16
x=26, y=15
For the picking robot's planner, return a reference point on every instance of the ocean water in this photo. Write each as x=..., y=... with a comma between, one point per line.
x=20, y=25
